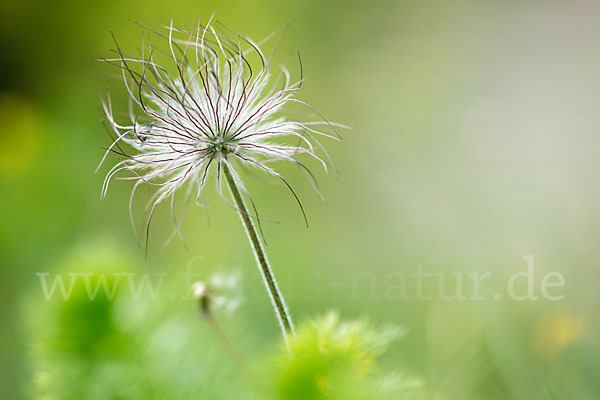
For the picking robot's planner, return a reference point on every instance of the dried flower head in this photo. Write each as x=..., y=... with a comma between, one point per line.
x=216, y=105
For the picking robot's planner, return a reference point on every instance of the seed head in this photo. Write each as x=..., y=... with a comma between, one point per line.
x=215, y=106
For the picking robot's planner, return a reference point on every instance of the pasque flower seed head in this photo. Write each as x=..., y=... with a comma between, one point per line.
x=217, y=104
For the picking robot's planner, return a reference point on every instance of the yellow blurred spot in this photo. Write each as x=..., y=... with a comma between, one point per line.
x=556, y=332
x=20, y=136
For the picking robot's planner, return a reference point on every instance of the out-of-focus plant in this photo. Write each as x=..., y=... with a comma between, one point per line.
x=331, y=359
x=100, y=342
x=103, y=342
x=76, y=336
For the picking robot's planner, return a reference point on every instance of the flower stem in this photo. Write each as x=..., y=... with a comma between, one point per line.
x=234, y=353
x=281, y=310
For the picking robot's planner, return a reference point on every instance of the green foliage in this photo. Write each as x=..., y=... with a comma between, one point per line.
x=115, y=345
x=76, y=338
x=330, y=359
x=112, y=346
x=87, y=325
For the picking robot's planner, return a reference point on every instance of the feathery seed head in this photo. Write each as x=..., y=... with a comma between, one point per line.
x=216, y=105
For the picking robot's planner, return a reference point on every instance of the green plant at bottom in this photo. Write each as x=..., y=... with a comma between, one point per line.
x=332, y=359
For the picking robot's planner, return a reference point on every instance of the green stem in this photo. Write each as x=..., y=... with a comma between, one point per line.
x=281, y=310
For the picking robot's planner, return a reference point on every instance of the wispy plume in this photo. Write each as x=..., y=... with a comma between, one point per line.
x=214, y=104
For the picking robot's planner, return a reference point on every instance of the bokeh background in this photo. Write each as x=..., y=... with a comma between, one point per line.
x=475, y=143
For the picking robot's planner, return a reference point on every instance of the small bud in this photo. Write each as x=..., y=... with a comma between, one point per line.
x=199, y=290
x=221, y=292
x=202, y=293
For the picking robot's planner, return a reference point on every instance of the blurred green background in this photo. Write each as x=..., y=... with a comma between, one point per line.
x=475, y=143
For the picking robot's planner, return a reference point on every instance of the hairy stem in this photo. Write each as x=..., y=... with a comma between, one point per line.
x=281, y=310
